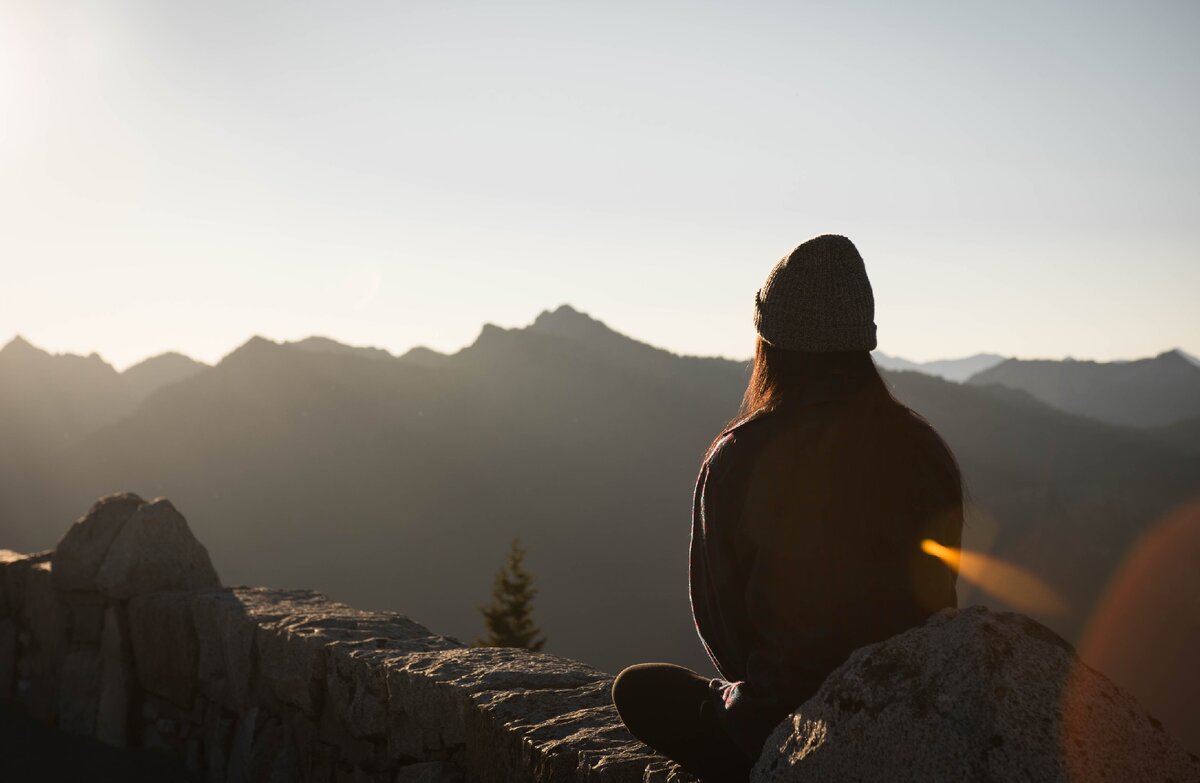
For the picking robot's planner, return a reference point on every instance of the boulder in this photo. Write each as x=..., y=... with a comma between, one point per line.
x=47, y=619
x=15, y=568
x=165, y=649
x=971, y=695
x=225, y=655
x=154, y=552
x=9, y=560
x=245, y=727
x=83, y=547
x=272, y=758
x=8, y=657
x=79, y=692
x=429, y=772
x=86, y=611
x=116, y=680
x=217, y=737
x=14, y=571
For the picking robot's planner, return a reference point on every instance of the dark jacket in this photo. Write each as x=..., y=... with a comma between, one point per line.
x=807, y=526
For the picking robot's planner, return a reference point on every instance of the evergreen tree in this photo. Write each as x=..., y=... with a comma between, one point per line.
x=509, y=617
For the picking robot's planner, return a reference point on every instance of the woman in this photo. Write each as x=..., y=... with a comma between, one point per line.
x=807, y=522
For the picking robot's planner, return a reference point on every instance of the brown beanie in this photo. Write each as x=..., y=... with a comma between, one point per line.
x=818, y=298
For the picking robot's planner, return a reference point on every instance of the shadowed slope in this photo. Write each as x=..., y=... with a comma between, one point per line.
x=1143, y=393
x=957, y=370
x=150, y=375
x=398, y=484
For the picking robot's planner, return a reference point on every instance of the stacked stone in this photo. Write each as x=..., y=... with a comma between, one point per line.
x=65, y=636
x=123, y=633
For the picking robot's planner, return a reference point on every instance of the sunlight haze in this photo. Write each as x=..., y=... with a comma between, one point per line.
x=1020, y=178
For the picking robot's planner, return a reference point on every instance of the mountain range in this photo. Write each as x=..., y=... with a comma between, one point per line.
x=1142, y=393
x=398, y=481
x=957, y=370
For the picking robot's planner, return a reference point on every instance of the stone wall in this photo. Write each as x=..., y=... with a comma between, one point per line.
x=123, y=633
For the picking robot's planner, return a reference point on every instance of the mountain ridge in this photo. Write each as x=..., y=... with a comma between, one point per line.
x=551, y=320
x=957, y=370
x=1152, y=392
x=373, y=476
x=541, y=408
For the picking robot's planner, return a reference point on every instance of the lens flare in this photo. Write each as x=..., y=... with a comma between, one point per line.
x=1145, y=631
x=1014, y=586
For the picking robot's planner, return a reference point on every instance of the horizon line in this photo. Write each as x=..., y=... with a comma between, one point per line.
x=483, y=327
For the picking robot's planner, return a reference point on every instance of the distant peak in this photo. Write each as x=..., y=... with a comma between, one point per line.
x=20, y=354
x=1176, y=352
x=317, y=340
x=18, y=349
x=490, y=335
x=259, y=341
x=566, y=321
x=19, y=345
x=491, y=328
x=317, y=344
x=564, y=313
x=422, y=355
x=421, y=351
x=255, y=346
x=165, y=359
x=173, y=356
x=1178, y=356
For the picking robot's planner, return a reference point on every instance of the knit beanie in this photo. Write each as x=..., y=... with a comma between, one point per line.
x=818, y=298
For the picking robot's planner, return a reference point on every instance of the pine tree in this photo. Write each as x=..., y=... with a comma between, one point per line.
x=509, y=617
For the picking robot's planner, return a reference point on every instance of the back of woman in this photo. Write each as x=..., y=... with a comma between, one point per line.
x=809, y=515
x=829, y=505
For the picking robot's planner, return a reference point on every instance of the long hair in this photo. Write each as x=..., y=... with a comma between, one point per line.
x=864, y=436
x=779, y=375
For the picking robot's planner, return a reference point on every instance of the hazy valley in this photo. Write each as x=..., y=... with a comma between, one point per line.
x=397, y=482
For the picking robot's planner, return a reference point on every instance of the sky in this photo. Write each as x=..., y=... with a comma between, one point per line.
x=1021, y=178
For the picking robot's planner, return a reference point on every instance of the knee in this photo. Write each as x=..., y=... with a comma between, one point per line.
x=626, y=680
x=630, y=682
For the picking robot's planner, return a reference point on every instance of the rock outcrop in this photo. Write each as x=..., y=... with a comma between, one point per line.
x=83, y=547
x=971, y=695
x=123, y=634
x=125, y=546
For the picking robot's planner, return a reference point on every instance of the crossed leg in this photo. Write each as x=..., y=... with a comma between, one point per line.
x=666, y=706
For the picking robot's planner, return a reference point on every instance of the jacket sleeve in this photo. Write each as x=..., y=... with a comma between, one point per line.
x=790, y=612
x=717, y=566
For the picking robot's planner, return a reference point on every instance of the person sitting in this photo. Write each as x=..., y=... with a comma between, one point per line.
x=809, y=513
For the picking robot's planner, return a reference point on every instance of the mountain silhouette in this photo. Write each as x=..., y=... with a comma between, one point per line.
x=325, y=345
x=150, y=375
x=57, y=396
x=399, y=482
x=1183, y=435
x=1142, y=393
x=422, y=355
x=957, y=370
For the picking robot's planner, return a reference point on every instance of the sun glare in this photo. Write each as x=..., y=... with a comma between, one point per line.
x=1012, y=585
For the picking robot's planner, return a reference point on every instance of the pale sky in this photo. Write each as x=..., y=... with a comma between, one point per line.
x=1021, y=177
